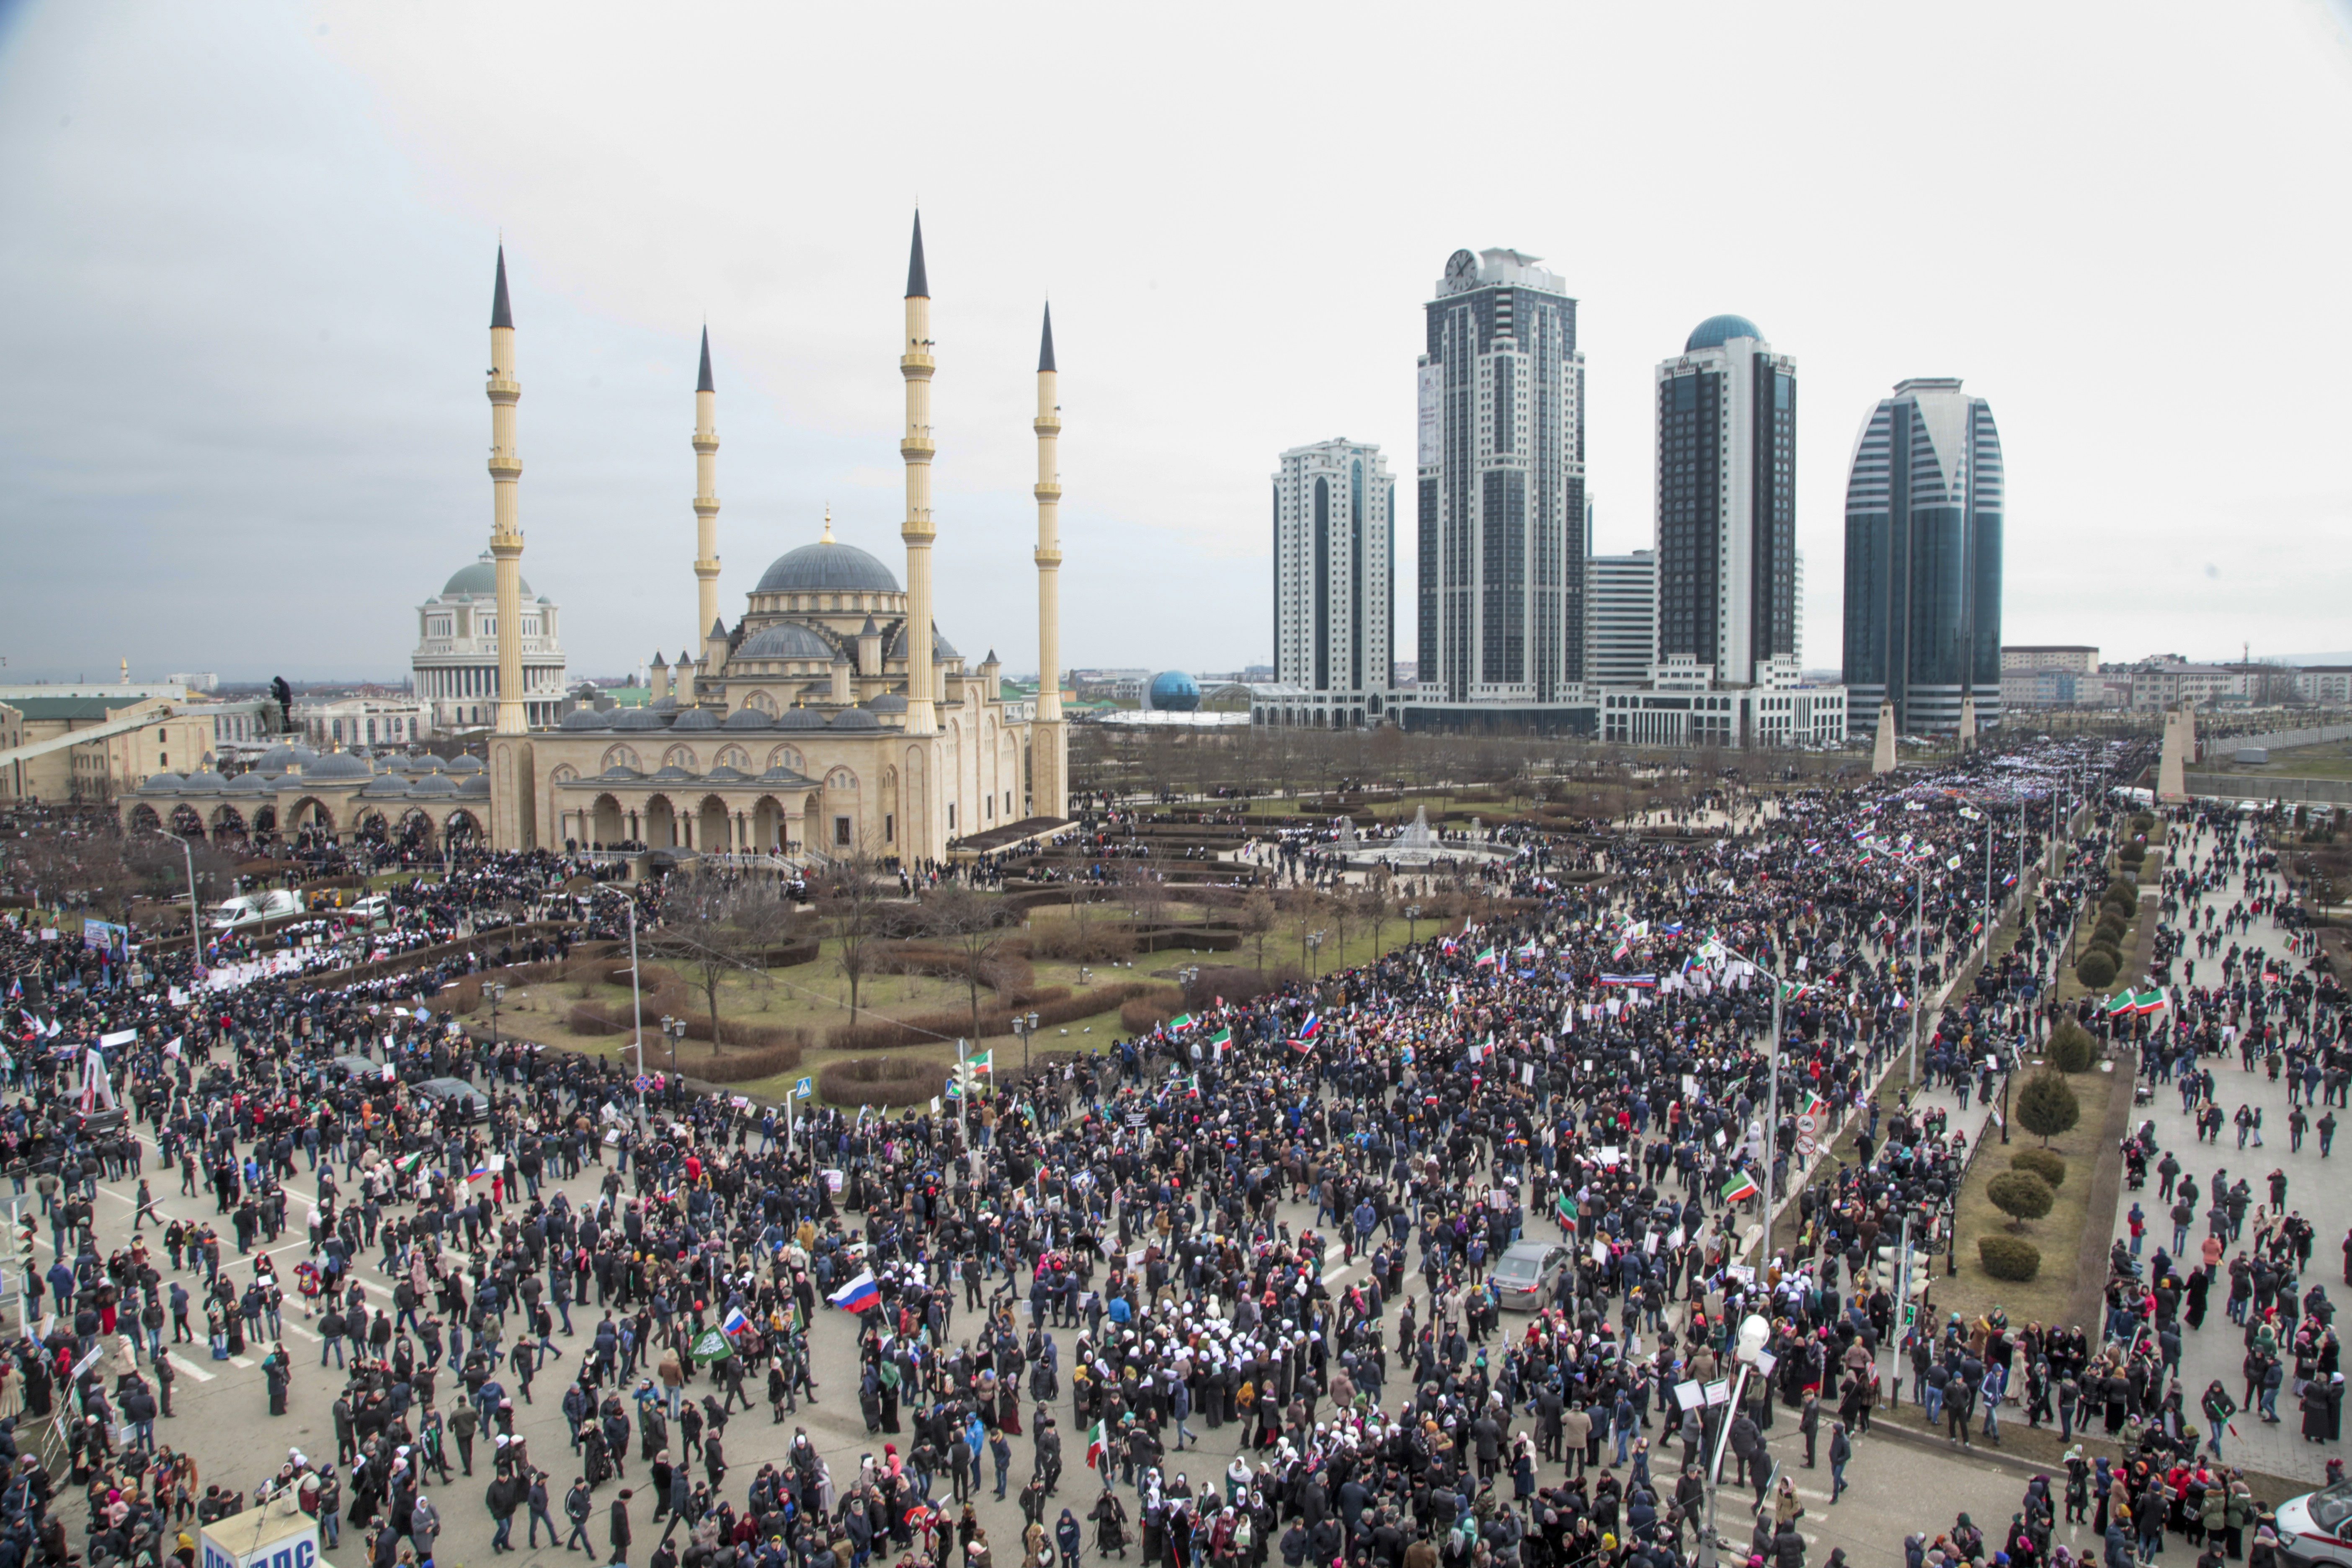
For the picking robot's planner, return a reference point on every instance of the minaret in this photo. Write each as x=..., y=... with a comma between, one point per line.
x=1048, y=753
x=915, y=364
x=506, y=538
x=706, y=497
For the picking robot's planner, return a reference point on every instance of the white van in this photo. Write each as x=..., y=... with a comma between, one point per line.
x=251, y=908
x=2316, y=1529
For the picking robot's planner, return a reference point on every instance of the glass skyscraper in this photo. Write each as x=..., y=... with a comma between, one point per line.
x=1923, y=524
x=1502, y=522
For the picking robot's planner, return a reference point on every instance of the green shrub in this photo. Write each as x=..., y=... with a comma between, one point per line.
x=2019, y=1194
x=2046, y=1105
x=2048, y=1164
x=2096, y=969
x=2132, y=855
x=881, y=1080
x=2143, y=823
x=2071, y=1048
x=2008, y=1258
x=2110, y=929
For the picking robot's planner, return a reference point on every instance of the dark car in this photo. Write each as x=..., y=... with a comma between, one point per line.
x=472, y=1103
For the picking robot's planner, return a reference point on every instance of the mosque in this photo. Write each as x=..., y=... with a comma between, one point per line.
x=822, y=722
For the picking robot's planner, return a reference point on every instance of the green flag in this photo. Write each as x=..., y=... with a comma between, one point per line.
x=709, y=1346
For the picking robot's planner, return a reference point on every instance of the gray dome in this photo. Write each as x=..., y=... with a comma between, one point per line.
x=433, y=783
x=162, y=783
x=581, y=719
x=479, y=784
x=855, y=718
x=800, y=718
x=941, y=648
x=825, y=566
x=204, y=782
x=480, y=579
x=696, y=719
x=338, y=765
x=636, y=718
x=249, y=784
x=748, y=719
x=782, y=775
x=885, y=702
x=786, y=639
x=464, y=762
x=673, y=774
x=723, y=774
x=389, y=784
x=284, y=756
x=1717, y=330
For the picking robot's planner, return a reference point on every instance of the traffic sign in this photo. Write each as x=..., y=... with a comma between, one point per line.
x=1807, y=1124
x=804, y=1089
x=1807, y=1147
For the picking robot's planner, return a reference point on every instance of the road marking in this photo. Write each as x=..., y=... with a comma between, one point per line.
x=298, y=1330
x=239, y=1361
x=191, y=1368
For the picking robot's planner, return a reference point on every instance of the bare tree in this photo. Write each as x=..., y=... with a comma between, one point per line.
x=848, y=894
x=977, y=925
x=1257, y=921
x=1376, y=908
x=714, y=925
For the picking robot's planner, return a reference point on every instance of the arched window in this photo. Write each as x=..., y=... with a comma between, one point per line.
x=735, y=757
x=679, y=757
x=841, y=778
x=622, y=757
x=761, y=703
x=564, y=774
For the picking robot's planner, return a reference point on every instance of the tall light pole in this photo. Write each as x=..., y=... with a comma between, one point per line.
x=195, y=914
x=496, y=992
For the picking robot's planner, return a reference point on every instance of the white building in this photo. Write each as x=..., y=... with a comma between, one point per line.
x=455, y=666
x=1334, y=562
x=364, y=721
x=1621, y=617
x=1685, y=707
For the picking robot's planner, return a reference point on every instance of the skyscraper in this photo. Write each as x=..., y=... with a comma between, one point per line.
x=1727, y=505
x=1621, y=617
x=1923, y=525
x=1333, y=565
x=1502, y=522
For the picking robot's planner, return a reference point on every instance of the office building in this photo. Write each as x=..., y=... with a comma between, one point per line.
x=1501, y=517
x=1726, y=409
x=1333, y=563
x=1922, y=538
x=2049, y=675
x=1621, y=617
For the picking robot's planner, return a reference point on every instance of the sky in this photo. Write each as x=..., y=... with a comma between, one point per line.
x=247, y=250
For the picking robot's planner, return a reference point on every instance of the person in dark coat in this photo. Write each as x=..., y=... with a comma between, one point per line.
x=619, y=1528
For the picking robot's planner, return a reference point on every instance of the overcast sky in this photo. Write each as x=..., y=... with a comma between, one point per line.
x=246, y=253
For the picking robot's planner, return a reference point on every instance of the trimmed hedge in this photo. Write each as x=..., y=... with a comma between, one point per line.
x=2008, y=1258
x=1054, y=1005
x=2046, y=1164
x=2096, y=970
x=882, y=1080
x=2071, y=1048
x=1148, y=1011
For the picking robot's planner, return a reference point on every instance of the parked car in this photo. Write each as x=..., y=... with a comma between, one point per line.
x=472, y=1103
x=1527, y=1273
x=251, y=908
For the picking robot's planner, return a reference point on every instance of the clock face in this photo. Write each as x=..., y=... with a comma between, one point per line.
x=1461, y=268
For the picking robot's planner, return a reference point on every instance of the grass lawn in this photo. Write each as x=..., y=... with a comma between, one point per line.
x=2049, y=1296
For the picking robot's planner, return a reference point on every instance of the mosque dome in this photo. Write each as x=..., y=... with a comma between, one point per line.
x=941, y=648
x=1717, y=330
x=338, y=765
x=789, y=639
x=479, y=580
x=826, y=567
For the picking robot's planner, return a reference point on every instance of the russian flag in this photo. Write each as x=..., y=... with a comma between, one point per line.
x=860, y=1295
x=1312, y=1027
x=734, y=1323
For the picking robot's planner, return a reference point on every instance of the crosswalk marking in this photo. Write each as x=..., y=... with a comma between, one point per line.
x=189, y=1367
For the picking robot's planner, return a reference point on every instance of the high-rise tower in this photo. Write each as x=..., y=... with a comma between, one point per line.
x=1727, y=505
x=1503, y=530
x=1334, y=551
x=916, y=448
x=1049, y=740
x=506, y=534
x=707, y=620
x=1923, y=509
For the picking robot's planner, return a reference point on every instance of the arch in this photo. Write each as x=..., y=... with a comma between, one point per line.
x=761, y=703
x=265, y=821
x=768, y=825
x=735, y=757
x=228, y=824
x=144, y=820
x=622, y=757
x=785, y=757
x=564, y=773
x=310, y=814
x=604, y=823
x=461, y=829
x=373, y=827
x=679, y=757
x=187, y=822
x=714, y=830
x=840, y=778
x=660, y=830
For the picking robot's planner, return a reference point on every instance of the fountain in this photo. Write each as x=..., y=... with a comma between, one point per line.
x=1420, y=848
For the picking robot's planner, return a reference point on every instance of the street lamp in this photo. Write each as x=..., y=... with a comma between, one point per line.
x=1314, y=951
x=673, y=1030
x=1411, y=924
x=1024, y=1026
x=496, y=992
x=195, y=914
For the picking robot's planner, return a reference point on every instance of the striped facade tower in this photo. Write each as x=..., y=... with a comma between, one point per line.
x=709, y=627
x=915, y=364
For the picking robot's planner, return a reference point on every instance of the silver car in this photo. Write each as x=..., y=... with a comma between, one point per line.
x=1526, y=1274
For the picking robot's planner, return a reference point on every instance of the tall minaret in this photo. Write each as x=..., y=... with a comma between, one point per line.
x=1048, y=753
x=506, y=538
x=705, y=498
x=915, y=364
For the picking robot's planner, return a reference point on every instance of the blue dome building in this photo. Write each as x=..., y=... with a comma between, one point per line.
x=1173, y=691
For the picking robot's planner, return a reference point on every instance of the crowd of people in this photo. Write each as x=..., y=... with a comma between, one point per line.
x=1593, y=1068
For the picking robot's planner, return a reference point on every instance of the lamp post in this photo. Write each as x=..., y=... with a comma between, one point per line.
x=496, y=992
x=1753, y=1331
x=1314, y=951
x=195, y=914
x=1411, y=924
x=636, y=1006
x=1771, y=1101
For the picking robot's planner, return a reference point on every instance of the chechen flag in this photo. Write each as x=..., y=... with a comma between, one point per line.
x=1095, y=1446
x=1742, y=1186
x=860, y=1295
